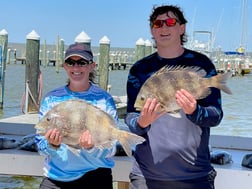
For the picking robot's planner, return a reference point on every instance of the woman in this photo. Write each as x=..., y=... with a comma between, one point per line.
x=90, y=167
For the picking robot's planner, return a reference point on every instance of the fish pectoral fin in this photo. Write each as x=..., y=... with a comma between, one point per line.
x=108, y=144
x=129, y=140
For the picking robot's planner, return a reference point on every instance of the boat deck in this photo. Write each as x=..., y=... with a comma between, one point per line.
x=20, y=162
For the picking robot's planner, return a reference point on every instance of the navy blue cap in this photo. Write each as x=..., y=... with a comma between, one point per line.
x=80, y=50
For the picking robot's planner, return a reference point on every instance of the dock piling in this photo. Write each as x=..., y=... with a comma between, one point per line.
x=3, y=54
x=32, y=72
x=104, y=62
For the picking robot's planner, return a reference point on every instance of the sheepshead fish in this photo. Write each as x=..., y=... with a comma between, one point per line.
x=163, y=85
x=72, y=117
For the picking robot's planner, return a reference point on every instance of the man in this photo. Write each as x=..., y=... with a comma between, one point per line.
x=175, y=154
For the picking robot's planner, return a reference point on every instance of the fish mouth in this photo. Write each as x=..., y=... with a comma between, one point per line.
x=138, y=108
x=40, y=131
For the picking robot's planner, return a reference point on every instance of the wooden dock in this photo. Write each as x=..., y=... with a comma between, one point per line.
x=121, y=105
x=23, y=61
x=120, y=65
x=19, y=162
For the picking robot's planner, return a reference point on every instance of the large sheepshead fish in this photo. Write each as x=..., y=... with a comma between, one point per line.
x=72, y=117
x=163, y=85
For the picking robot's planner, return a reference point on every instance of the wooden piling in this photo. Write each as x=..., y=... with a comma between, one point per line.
x=103, y=66
x=15, y=56
x=140, y=49
x=83, y=38
x=57, y=64
x=45, y=61
x=4, y=45
x=2, y=89
x=32, y=72
x=8, y=56
x=61, y=51
x=148, y=47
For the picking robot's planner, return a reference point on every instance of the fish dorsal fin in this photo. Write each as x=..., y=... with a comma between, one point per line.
x=169, y=68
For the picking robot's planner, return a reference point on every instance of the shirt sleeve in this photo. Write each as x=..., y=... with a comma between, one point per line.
x=133, y=87
x=131, y=121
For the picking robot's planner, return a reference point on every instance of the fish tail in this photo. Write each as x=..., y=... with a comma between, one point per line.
x=219, y=81
x=127, y=140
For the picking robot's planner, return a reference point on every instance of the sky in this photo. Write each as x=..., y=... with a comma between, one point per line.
x=123, y=22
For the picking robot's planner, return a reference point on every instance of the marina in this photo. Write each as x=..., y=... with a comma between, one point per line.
x=231, y=140
x=232, y=136
x=239, y=60
x=49, y=55
x=234, y=129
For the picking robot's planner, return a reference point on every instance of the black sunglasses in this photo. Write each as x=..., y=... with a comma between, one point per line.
x=169, y=22
x=81, y=62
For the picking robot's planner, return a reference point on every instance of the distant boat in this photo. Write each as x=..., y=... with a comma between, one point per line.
x=245, y=71
x=245, y=67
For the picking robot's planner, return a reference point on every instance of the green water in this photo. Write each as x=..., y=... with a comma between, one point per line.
x=19, y=182
x=24, y=182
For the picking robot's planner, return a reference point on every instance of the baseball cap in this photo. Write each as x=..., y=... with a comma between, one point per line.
x=80, y=50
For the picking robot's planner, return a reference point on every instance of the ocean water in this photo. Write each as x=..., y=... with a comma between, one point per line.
x=237, y=118
x=15, y=85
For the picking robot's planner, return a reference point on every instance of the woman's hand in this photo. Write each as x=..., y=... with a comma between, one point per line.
x=53, y=137
x=85, y=140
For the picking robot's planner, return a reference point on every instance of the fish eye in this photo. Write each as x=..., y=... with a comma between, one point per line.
x=142, y=98
x=48, y=119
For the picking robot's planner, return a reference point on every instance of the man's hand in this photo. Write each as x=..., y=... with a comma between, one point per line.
x=150, y=112
x=186, y=101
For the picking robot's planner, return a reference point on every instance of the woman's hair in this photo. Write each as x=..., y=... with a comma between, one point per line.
x=156, y=11
x=92, y=76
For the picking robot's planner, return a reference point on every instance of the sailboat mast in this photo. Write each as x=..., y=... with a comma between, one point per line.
x=243, y=36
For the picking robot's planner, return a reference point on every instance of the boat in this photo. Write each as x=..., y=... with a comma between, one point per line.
x=231, y=175
x=245, y=71
x=204, y=47
x=245, y=67
x=236, y=61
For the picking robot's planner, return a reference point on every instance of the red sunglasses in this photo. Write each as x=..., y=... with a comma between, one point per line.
x=169, y=22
